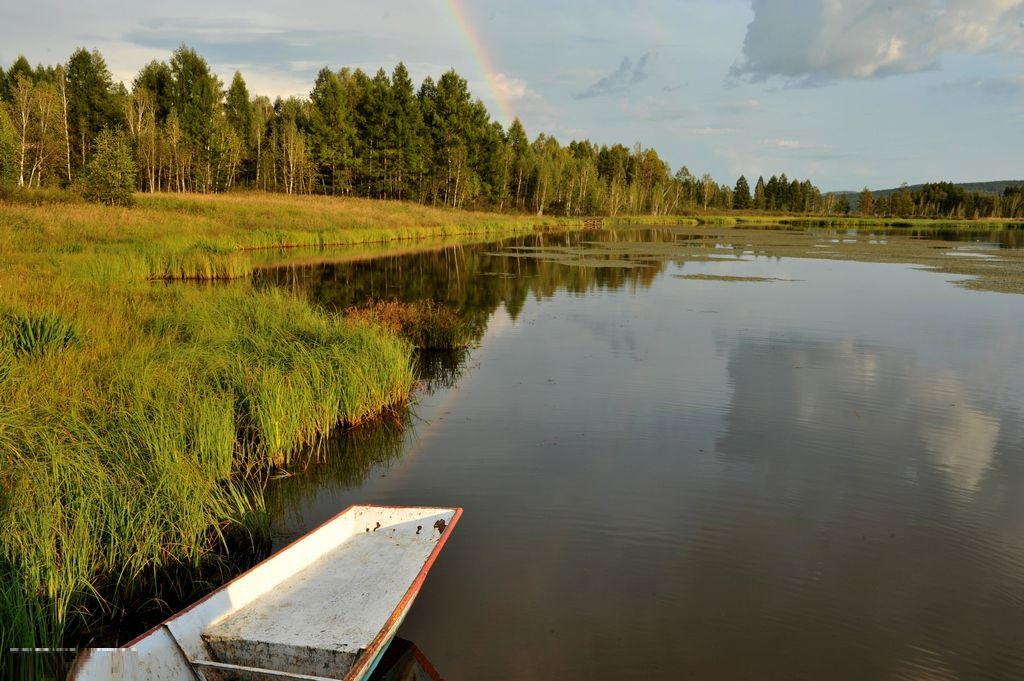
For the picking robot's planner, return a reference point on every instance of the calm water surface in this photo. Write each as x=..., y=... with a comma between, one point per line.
x=820, y=478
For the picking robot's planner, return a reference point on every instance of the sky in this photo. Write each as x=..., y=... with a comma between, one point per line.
x=847, y=93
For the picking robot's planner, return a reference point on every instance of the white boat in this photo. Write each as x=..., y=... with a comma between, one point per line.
x=324, y=607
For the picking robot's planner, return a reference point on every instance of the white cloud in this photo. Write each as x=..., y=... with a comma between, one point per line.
x=740, y=106
x=812, y=42
x=710, y=131
x=783, y=144
x=510, y=87
x=522, y=100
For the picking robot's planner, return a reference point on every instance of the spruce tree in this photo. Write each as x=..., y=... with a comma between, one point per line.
x=111, y=174
x=741, y=194
x=760, y=194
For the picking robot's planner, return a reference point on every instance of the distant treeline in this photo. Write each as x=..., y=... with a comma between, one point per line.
x=376, y=137
x=943, y=200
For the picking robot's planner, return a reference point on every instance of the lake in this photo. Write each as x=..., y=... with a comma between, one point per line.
x=779, y=467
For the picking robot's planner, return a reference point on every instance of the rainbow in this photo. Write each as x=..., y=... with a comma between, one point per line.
x=476, y=46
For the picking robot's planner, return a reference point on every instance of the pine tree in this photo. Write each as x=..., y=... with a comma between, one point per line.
x=741, y=194
x=331, y=132
x=409, y=134
x=760, y=196
x=520, y=162
x=93, y=102
x=20, y=67
x=197, y=101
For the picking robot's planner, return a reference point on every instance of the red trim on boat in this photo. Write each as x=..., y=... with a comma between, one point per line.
x=368, y=656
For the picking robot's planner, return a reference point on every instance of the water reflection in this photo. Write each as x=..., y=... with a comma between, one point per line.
x=471, y=279
x=668, y=478
x=997, y=238
x=873, y=486
x=403, y=661
x=343, y=461
x=439, y=370
x=836, y=393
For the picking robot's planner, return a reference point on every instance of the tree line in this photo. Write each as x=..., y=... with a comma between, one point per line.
x=943, y=200
x=372, y=136
x=178, y=128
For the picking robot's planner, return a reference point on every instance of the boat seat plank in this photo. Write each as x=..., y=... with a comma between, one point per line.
x=319, y=621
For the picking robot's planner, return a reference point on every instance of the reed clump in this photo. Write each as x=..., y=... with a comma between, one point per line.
x=121, y=459
x=28, y=332
x=424, y=323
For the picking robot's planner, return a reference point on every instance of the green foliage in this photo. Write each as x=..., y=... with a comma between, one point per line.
x=27, y=624
x=8, y=148
x=94, y=102
x=197, y=94
x=331, y=131
x=866, y=202
x=118, y=458
x=378, y=136
x=111, y=174
x=238, y=107
x=156, y=79
x=760, y=201
x=19, y=69
x=741, y=199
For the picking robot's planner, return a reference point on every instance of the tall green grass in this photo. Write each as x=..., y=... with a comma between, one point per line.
x=122, y=461
x=36, y=332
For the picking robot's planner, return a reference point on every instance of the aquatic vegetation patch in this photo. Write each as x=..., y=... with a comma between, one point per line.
x=724, y=277
x=424, y=323
x=1002, y=270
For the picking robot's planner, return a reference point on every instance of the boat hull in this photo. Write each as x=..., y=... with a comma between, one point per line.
x=324, y=607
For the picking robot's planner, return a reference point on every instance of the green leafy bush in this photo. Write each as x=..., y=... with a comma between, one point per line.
x=110, y=177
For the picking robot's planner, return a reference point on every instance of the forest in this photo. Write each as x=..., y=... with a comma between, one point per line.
x=178, y=129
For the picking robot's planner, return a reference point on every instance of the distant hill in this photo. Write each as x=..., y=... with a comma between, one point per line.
x=994, y=187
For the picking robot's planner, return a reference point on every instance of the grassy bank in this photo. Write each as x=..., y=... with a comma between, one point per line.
x=172, y=236
x=133, y=412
